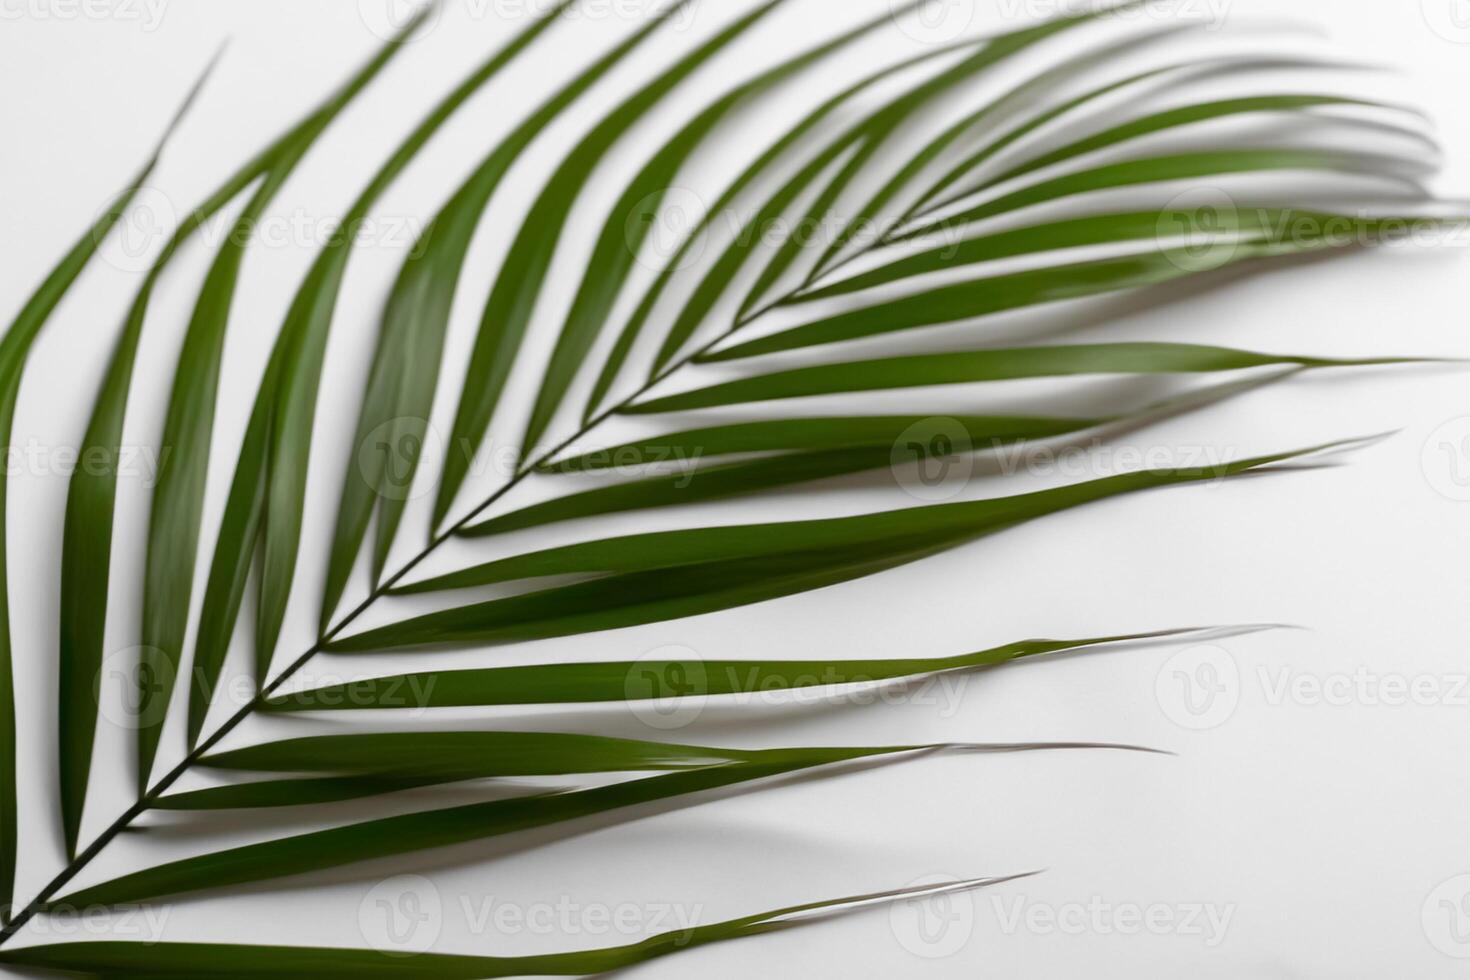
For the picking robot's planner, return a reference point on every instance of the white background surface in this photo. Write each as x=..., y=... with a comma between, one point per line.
x=1321, y=830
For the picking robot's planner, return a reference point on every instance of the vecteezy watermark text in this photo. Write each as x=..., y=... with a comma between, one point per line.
x=407, y=914
x=147, y=14
x=1202, y=687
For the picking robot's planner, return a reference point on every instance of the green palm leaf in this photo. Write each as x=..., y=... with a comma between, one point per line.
x=377, y=764
x=657, y=577
x=178, y=501
x=182, y=960
x=85, y=558
x=1016, y=291
x=508, y=312
x=408, y=833
x=406, y=363
x=900, y=154
x=651, y=679
x=633, y=216
x=976, y=366
x=634, y=328
x=266, y=499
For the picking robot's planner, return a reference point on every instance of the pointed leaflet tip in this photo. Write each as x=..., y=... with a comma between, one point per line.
x=802, y=913
x=192, y=97
x=78, y=667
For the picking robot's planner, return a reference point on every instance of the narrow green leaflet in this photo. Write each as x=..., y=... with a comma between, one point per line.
x=390, y=763
x=752, y=476
x=1016, y=291
x=1248, y=225
x=1021, y=96
x=81, y=642
x=266, y=501
x=650, y=578
x=186, y=961
x=404, y=377
x=633, y=329
x=468, y=755
x=1189, y=115
x=178, y=500
x=805, y=435
x=225, y=588
x=1199, y=68
x=879, y=128
x=716, y=281
x=488, y=755
x=1154, y=170
x=90, y=508
x=633, y=217
x=858, y=143
x=308, y=791
x=413, y=832
x=968, y=367
x=517, y=287
x=547, y=684
x=810, y=449
x=272, y=793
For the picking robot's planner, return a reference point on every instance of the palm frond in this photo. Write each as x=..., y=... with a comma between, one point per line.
x=930, y=192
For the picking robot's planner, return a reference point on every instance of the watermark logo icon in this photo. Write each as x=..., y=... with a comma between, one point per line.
x=934, y=21
x=934, y=927
x=1446, y=459
x=667, y=688
x=1450, y=19
x=933, y=459
x=388, y=19
x=389, y=457
x=1199, y=688
x=402, y=916
x=140, y=231
x=1199, y=229
x=144, y=676
x=1446, y=917
x=659, y=229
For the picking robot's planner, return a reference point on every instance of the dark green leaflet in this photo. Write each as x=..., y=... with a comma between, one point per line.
x=286, y=793
x=80, y=653
x=462, y=755
x=657, y=577
x=631, y=219
x=820, y=448
x=90, y=508
x=372, y=765
x=1018, y=290
x=409, y=833
x=312, y=790
x=264, y=510
x=518, y=284
x=967, y=367
x=187, y=961
x=547, y=684
x=995, y=109
x=752, y=476
x=883, y=126
x=633, y=329
x=407, y=361
x=178, y=499
x=1153, y=170
x=1202, y=68
x=859, y=142
x=468, y=755
x=1102, y=229
x=1173, y=118
x=804, y=434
